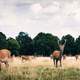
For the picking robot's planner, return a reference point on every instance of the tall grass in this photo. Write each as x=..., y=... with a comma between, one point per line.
x=40, y=73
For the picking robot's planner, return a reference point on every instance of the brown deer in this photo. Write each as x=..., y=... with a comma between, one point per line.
x=57, y=55
x=26, y=58
x=4, y=55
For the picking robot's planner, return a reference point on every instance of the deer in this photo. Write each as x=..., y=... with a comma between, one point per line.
x=76, y=56
x=4, y=55
x=57, y=55
x=26, y=58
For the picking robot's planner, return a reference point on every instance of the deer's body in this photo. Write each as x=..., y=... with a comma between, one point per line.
x=4, y=55
x=57, y=57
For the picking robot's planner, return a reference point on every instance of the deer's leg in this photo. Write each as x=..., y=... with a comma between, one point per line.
x=60, y=63
x=56, y=62
x=0, y=66
x=6, y=64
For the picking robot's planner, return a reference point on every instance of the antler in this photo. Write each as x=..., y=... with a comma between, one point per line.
x=61, y=46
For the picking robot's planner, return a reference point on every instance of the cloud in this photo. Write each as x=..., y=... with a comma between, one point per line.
x=36, y=8
x=58, y=17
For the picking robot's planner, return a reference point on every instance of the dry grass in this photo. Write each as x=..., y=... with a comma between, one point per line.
x=41, y=68
x=69, y=62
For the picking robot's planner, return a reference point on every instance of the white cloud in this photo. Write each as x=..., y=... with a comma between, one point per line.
x=36, y=8
x=52, y=8
x=58, y=17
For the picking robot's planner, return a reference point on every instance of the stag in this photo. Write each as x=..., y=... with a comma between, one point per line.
x=57, y=54
x=57, y=57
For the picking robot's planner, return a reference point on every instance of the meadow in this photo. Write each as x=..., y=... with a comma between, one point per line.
x=41, y=68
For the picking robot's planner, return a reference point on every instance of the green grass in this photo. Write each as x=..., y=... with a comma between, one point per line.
x=40, y=73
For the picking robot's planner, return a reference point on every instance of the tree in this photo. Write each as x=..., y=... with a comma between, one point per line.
x=26, y=47
x=77, y=45
x=13, y=46
x=44, y=44
x=3, y=42
x=69, y=48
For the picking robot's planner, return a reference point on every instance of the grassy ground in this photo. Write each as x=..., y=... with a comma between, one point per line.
x=41, y=69
x=40, y=73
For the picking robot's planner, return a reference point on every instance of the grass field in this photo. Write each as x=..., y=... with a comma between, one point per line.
x=41, y=68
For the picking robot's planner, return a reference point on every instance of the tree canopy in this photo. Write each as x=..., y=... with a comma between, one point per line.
x=42, y=44
x=3, y=41
x=26, y=47
x=69, y=48
x=13, y=46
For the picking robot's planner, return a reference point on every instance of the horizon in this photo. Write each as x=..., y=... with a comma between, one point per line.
x=7, y=36
x=58, y=17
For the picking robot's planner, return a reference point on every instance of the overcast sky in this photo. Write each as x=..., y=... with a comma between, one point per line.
x=59, y=17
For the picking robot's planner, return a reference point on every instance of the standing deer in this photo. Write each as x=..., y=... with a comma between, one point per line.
x=57, y=54
x=57, y=57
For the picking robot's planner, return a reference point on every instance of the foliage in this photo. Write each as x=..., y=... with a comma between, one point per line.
x=44, y=44
x=14, y=46
x=69, y=48
x=26, y=47
x=77, y=45
x=3, y=42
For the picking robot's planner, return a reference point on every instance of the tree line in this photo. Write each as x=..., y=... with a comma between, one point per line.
x=41, y=45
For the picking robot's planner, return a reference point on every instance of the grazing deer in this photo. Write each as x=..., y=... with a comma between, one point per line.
x=25, y=58
x=57, y=55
